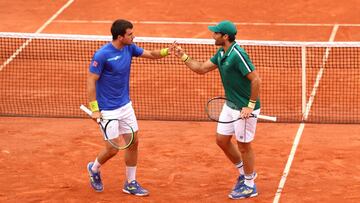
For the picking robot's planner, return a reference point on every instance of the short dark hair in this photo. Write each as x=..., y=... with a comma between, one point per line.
x=231, y=38
x=119, y=27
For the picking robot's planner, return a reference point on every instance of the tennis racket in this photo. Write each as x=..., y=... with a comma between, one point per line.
x=109, y=126
x=214, y=107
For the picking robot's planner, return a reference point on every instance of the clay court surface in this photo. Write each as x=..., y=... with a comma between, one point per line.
x=44, y=159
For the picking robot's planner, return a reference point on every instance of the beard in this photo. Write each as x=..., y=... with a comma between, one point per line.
x=219, y=43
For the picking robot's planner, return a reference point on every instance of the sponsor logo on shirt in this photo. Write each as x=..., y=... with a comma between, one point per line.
x=114, y=58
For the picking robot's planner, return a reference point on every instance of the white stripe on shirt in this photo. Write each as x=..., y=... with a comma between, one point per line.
x=243, y=60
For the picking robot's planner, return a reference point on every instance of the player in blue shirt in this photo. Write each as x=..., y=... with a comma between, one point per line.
x=108, y=91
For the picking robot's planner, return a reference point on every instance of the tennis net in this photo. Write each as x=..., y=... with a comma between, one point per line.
x=44, y=75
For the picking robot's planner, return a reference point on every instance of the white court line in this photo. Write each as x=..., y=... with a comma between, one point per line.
x=206, y=23
x=320, y=73
x=305, y=116
x=27, y=42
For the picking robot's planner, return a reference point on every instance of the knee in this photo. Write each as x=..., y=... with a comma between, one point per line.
x=242, y=150
x=111, y=151
x=244, y=147
x=221, y=142
x=134, y=145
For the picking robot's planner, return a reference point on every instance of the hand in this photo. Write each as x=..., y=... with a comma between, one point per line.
x=245, y=112
x=171, y=48
x=96, y=115
x=177, y=50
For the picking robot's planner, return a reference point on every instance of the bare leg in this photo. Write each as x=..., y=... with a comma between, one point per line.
x=224, y=142
x=107, y=153
x=131, y=154
x=248, y=157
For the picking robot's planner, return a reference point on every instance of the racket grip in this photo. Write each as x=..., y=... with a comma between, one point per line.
x=86, y=110
x=269, y=118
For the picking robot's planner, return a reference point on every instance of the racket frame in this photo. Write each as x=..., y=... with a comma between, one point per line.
x=269, y=118
x=103, y=128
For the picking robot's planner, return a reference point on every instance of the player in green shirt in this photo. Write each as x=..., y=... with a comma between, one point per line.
x=242, y=85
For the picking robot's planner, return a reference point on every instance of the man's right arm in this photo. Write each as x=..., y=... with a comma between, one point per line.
x=200, y=68
x=91, y=89
x=196, y=66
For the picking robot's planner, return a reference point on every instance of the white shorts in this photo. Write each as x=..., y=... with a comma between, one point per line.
x=244, y=129
x=125, y=113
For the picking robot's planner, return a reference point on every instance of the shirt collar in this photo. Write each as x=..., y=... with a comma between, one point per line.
x=231, y=48
x=228, y=52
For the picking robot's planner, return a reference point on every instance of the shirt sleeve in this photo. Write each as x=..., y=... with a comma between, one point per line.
x=245, y=65
x=97, y=64
x=214, y=59
x=136, y=51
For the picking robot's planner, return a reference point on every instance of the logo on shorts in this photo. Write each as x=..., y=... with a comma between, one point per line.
x=241, y=137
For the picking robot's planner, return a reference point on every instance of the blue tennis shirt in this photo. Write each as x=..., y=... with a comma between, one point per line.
x=113, y=67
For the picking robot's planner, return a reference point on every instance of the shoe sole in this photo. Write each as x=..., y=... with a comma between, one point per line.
x=96, y=190
x=140, y=195
x=252, y=195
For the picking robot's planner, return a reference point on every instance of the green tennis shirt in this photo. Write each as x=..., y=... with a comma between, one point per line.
x=233, y=66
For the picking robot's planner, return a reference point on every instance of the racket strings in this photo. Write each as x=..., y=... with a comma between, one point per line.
x=214, y=108
x=115, y=129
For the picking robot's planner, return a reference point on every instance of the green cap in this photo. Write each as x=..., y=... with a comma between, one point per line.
x=226, y=27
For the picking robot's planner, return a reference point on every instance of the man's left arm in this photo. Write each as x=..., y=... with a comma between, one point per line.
x=156, y=54
x=255, y=84
x=255, y=91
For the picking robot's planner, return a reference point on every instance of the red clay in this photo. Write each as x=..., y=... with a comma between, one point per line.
x=45, y=160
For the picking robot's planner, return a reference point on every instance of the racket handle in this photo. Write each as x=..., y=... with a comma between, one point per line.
x=86, y=110
x=269, y=118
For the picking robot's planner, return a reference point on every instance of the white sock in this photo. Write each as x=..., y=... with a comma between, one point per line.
x=249, y=180
x=240, y=167
x=96, y=166
x=130, y=173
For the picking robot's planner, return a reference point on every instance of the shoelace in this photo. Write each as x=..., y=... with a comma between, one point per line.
x=97, y=177
x=137, y=185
